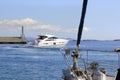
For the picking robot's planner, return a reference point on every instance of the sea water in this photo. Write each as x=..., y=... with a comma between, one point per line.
x=23, y=62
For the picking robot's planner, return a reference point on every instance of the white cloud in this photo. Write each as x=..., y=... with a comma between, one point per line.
x=29, y=23
x=35, y=27
x=86, y=29
x=35, y=24
x=51, y=27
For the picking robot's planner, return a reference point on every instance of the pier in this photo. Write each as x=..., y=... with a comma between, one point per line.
x=14, y=40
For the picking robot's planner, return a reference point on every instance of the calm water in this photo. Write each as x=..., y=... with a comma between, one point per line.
x=22, y=62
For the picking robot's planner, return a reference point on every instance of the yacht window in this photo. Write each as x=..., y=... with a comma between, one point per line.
x=51, y=39
x=54, y=37
x=42, y=37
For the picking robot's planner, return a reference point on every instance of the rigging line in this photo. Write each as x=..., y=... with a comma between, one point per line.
x=67, y=62
x=108, y=51
x=81, y=22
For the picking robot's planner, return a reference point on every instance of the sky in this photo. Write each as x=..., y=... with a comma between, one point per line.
x=60, y=18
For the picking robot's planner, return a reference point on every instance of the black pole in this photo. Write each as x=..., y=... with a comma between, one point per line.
x=118, y=75
x=118, y=70
x=81, y=22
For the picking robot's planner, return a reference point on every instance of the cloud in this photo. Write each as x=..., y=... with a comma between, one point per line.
x=28, y=23
x=51, y=27
x=34, y=27
x=35, y=24
x=86, y=29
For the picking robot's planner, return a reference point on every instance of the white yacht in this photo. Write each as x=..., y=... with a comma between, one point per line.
x=50, y=41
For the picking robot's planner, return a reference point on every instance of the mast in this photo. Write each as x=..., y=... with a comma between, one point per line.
x=73, y=73
x=81, y=22
x=76, y=52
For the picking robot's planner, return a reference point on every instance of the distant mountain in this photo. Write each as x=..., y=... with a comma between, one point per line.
x=117, y=40
x=90, y=40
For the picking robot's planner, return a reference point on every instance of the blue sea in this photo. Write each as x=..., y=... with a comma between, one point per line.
x=24, y=62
